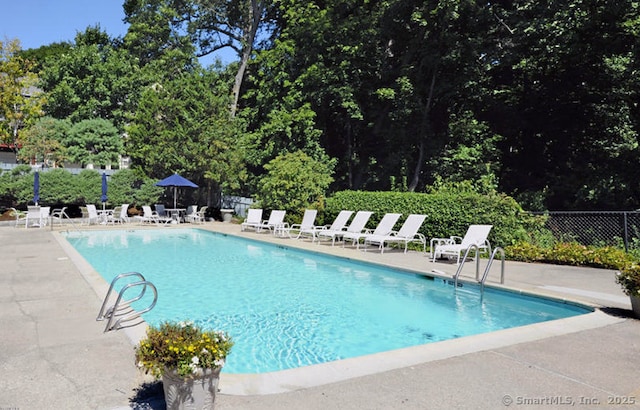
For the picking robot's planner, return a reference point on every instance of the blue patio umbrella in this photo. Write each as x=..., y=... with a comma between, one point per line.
x=36, y=187
x=104, y=197
x=176, y=181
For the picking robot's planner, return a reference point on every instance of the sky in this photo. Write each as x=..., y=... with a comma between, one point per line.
x=41, y=22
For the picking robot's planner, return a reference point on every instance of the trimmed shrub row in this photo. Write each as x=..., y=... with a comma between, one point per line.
x=448, y=213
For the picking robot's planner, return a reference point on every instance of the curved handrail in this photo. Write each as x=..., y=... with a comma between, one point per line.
x=102, y=314
x=486, y=271
x=117, y=325
x=455, y=277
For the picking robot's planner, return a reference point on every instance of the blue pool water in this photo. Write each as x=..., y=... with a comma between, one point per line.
x=287, y=308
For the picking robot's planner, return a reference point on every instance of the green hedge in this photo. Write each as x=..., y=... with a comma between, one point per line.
x=58, y=187
x=448, y=213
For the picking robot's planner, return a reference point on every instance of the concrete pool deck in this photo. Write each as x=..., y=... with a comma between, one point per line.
x=55, y=355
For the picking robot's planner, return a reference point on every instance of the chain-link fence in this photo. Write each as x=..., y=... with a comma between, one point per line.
x=601, y=228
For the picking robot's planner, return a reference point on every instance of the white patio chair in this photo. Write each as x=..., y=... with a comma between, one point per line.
x=385, y=227
x=45, y=213
x=253, y=220
x=92, y=214
x=150, y=216
x=275, y=223
x=408, y=233
x=338, y=224
x=120, y=214
x=19, y=215
x=306, y=227
x=198, y=216
x=356, y=227
x=190, y=214
x=33, y=216
x=455, y=245
x=58, y=215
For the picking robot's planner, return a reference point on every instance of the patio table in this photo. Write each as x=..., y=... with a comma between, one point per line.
x=176, y=214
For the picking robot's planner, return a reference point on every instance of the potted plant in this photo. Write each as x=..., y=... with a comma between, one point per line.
x=188, y=359
x=629, y=278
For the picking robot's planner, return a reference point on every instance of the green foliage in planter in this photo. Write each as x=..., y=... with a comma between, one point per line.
x=183, y=347
x=448, y=212
x=629, y=278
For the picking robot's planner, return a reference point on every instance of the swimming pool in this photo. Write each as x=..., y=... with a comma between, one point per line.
x=288, y=308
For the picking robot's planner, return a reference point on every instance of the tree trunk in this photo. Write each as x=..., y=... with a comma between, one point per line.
x=425, y=121
x=257, y=8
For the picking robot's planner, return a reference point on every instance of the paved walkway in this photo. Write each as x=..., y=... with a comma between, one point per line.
x=54, y=355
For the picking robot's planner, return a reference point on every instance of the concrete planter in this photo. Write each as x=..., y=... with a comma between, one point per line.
x=226, y=215
x=635, y=305
x=190, y=393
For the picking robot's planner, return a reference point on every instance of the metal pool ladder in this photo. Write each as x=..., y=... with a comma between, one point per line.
x=121, y=309
x=487, y=269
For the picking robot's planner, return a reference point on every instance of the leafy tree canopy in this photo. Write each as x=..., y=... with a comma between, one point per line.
x=294, y=182
x=20, y=100
x=42, y=142
x=94, y=142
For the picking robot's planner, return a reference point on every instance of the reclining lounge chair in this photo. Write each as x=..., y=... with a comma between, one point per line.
x=408, y=233
x=453, y=246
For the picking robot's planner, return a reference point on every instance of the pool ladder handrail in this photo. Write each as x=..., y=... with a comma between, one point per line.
x=466, y=253
x=487, y=269
x=122, y=309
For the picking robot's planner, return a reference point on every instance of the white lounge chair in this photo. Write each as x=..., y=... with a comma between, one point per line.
x=45, y=213
x=151, y=216
x=92, y=214
x=120, y=214
x=408, y=233
x=306, y=227
x=160, y=210
x=198, y=216
x=455, y=245
x=385, y=227
x=356, y=227
x=275, y=223
x=190, y=213
x=19, y=215
x=338, y=224
x=58, y=214
x=253, y=220
x=33, y=217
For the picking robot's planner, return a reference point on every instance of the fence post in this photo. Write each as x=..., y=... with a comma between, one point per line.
x=626, y=233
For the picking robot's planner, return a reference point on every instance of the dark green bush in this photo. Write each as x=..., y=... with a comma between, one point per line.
x=448, y=213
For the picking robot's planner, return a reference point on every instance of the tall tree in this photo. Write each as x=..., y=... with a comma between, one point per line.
x=94, y=79
x=209, y=25
x=95, y=141
x=568, y=102
x=383, y=79
x=20, y=100
x=182, y=125
x=42, y=142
